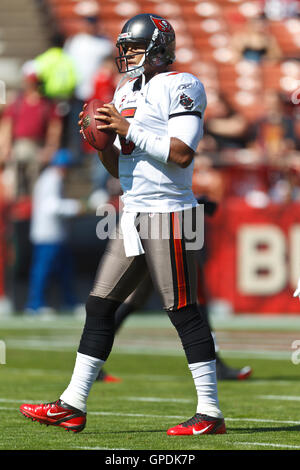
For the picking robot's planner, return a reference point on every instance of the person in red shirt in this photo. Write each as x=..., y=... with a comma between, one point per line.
x=106, y=80
x=30, y=132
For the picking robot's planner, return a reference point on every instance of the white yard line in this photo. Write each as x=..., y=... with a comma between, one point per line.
x=267, y=444
x=98, y=448
x=157, y=377
x=134, y=415
x=10, y=400
x=140, y=415
x=279, y=397
x=259, y=420
x=5, y=408
x=69, y=344
x=158, y=400
x=284, y=322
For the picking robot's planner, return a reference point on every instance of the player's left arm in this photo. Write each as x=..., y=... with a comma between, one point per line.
x=186, y=115
x=180, y=153
x=188, y=130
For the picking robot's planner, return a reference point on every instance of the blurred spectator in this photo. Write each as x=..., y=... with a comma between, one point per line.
x=56, y=70
x=274, y=134
x=105, y=80
x=227, y=127
x=104, y=85
x=30, y=133
x=255, y=43
x=281, y=191
x=87, y=49
x=286, y=187
x=48, y=235
x=207, y=181
x=276, y=10
x=5, y=303
x=293, y=175
x=297, y=127
x=58, y=77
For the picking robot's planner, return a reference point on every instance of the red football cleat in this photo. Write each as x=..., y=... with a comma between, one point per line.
x=224, y=372
x=57, y=413
x=199, y=424
x=107, y=378
x=111, y=379
x=244, y=373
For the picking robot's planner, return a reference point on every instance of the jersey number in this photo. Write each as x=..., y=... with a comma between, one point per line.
x=127, y=147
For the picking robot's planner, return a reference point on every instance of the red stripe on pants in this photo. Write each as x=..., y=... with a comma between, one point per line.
x=181, y=282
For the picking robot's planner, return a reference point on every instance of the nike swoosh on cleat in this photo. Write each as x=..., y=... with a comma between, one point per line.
x=55, y=414
x=202, y=430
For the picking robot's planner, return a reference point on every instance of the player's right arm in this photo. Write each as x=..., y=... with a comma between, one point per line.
x=117, y=123
x=109, y=157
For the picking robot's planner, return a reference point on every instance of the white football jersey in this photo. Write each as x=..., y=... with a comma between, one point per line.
x=150, y=185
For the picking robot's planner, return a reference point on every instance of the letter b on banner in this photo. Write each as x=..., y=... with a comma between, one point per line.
x=262, y=267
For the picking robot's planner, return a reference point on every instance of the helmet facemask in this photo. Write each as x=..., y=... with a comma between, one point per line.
x=124, y=57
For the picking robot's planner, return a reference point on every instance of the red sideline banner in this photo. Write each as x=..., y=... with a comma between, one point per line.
x=253, y=257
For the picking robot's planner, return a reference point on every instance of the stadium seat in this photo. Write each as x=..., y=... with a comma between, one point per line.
x=201, y=10
x=286, y=36
x=271, y=74
x=203, y=33
x=170, y=9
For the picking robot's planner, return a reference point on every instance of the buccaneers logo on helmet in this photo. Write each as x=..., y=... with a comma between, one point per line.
x=162, y=25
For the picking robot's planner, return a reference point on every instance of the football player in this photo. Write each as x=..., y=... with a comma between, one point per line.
x=137, y=300
x=158, y=116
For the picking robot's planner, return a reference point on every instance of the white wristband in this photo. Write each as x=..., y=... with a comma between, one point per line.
x=158, y=147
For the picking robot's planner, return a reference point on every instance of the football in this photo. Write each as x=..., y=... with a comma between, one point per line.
x=99, y=139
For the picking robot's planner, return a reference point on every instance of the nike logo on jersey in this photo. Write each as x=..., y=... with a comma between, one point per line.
x=201, y=430
x=55, y=414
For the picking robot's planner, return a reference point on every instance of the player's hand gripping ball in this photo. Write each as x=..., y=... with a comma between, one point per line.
x=97, y=138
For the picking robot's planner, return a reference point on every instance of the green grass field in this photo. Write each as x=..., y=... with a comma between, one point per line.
x=156, y=391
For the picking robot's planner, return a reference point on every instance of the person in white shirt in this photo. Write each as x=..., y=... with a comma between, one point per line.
x=87, y=50
x=48, y=235
x=158, y=116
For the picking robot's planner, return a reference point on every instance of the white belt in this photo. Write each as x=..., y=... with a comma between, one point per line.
x=131, y=239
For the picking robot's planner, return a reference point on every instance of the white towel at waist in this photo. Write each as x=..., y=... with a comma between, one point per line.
x=131, y=239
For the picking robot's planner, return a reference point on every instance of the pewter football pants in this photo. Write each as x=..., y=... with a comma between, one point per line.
x=173, y=271
x=172, y=267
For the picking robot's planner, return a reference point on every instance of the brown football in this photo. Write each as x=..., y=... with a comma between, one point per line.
x=99, y=139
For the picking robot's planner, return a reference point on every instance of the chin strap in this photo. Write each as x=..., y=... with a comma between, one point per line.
x=135, y=72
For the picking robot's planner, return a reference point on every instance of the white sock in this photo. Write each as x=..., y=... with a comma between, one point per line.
x=85, y=372
x=205, y=379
